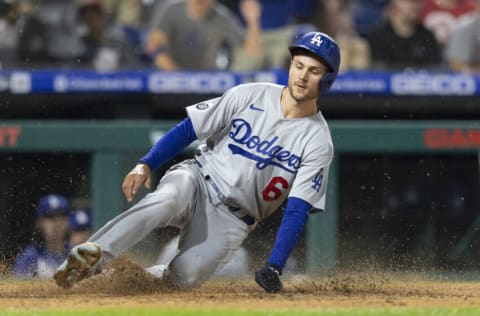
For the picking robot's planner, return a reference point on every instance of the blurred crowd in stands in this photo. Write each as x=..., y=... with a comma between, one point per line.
x=239, y=35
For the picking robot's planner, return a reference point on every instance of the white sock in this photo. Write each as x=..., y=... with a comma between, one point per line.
x=157, y=271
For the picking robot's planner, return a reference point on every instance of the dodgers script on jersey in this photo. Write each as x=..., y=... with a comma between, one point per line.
x=255, y=156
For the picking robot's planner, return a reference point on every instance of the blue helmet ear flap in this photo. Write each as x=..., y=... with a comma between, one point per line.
x=326, y=49
x=327, y=81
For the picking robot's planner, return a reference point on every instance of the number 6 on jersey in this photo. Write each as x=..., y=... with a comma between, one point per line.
x=273, y=189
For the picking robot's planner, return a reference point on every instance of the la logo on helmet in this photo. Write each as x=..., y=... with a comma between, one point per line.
x=317, y=40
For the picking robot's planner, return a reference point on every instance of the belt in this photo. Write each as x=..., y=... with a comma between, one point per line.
x=238, y=212
x=242, y=215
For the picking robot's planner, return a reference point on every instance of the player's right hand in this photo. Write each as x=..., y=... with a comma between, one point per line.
x=269, y=279
x=139, y=175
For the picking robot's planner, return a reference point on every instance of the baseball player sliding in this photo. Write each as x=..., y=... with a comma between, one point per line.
x=265, y=143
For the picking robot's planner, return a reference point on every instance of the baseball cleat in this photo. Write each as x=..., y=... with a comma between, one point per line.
x=79, y=265
x=157, y=271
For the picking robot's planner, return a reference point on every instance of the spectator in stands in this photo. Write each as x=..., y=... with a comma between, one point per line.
x=326, y=16
x=106, y=46
x=10, y=28
x=366, y=15
x=441, y=16
x=402, y=41
x=50, y=35
x=126, y=12
x=277, y=21
x=50, y=246
x=463, y=53
x=130, y=17
x=197, y=35
x=80, y=225
x=334, y=17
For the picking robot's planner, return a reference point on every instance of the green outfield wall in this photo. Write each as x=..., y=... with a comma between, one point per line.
x=114, y=147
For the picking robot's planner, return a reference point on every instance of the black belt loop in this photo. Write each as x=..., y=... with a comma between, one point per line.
x=249, y=220
x=215, y=187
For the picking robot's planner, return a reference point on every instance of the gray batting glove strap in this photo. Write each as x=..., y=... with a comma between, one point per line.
x=269, y=279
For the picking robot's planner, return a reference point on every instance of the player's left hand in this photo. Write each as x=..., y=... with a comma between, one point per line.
x=269, y=279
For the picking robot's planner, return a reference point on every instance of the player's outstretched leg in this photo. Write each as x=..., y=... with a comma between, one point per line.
x=80, y=264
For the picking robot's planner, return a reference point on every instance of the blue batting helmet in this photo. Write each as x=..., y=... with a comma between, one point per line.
x=51, y=205
x=326, y=49
x=81, y=219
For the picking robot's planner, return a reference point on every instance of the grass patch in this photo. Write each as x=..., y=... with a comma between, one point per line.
x=464, y=311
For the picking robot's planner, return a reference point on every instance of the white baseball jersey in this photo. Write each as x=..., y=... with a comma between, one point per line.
x=255, y=156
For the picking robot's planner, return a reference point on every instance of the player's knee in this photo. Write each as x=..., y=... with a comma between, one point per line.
x=184, y=281
x=186, y=278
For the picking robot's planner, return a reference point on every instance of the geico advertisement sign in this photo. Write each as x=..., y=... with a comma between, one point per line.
x=433, y=84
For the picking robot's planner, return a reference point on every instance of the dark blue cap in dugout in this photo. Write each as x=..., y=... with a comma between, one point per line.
x=81, y=219
x=51, y=205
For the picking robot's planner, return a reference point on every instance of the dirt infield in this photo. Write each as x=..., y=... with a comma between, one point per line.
x=126, y=284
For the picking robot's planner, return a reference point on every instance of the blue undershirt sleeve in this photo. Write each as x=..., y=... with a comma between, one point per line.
x=175, y=140
x=293, y=223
